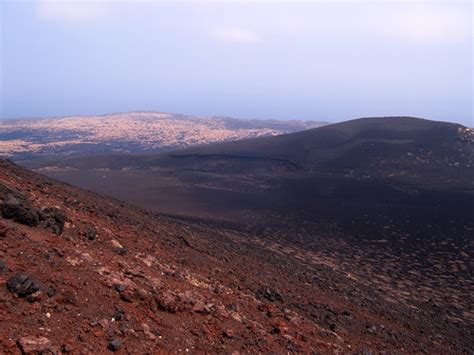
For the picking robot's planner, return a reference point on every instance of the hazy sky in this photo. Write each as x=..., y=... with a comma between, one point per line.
x=321, y=60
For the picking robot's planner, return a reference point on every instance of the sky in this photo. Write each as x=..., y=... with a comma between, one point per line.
x=309, y=60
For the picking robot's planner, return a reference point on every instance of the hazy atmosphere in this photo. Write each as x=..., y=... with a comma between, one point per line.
x=288, y=60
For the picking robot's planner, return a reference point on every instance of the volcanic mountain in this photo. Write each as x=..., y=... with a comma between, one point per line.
x=273, y=247
x=380, y=145
x=391, y=154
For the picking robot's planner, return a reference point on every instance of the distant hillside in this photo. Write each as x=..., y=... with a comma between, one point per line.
x=406, y=149
x=378, y=142
x=357, y=164
x=130, y=132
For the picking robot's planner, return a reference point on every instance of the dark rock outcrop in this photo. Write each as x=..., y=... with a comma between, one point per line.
x=20, y=211
x=53, y=218
x=22, y=284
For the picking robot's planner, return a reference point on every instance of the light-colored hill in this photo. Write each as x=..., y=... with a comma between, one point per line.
x=130, y=132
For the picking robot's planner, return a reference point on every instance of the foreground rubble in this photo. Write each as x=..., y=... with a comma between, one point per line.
x=92, y=275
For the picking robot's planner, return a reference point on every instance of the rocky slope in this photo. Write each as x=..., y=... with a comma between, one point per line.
x=81, y=273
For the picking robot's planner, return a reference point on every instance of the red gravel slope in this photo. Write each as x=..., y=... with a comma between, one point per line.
x=80, y=273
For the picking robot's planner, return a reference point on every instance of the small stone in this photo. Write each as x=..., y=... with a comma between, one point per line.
x=167, y=301
x=3, y=229
x=104, y=323
x=119, y=314
x=99, y=333
x=228, y=333
x=372, y=329
x=127, y=295
x=3, y=267
x=116, y=244
x=115, y=345
x=90, y=233
x=35, y=345
x=34, y=297
x=50, y=291
x=147, y=332
x=67, y=348
x=121, y=251
x=120, y=287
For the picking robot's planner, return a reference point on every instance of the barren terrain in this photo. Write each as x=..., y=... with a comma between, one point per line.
x=362, y=230
x=129, y=132
x=82, y=273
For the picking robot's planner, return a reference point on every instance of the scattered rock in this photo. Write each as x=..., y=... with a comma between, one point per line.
x=20, y=211
x=116, y=244
x=22, y=284
x=121, y=251
x=371, y=329
x=147, y=331
x=3, y=267
x=365, y=351
x=126, y=293
x=53, y=218
x=67, y=348
x=3, y=229
x=35, y=345
x=90, y=233
x=120, y=287
x=228, y=333
x=270, y=294
x=167, y=301
x=119, y=313
x=115, y=345
x=34, y=297
x=183, y=301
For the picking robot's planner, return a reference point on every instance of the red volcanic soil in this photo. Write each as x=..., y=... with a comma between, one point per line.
x=81, y=273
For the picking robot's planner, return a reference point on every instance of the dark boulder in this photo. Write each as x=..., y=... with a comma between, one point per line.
x=53, y=218
x=115, y=345
x=22, y=284
x=20, y=211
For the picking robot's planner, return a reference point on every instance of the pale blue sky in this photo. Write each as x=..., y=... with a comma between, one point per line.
x=258, y=59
